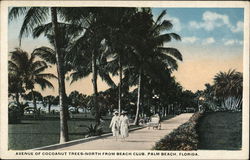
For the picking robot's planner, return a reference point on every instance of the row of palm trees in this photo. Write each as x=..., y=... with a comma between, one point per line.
x=123, y=42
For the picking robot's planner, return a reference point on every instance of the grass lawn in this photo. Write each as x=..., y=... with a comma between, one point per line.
x=37, y=133
x=220, y=131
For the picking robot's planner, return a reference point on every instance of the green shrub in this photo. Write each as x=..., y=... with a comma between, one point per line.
x=14, y=114
x=184, y=137
x=94, y=130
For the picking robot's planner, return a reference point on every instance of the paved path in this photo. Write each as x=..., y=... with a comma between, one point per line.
x=142, y=139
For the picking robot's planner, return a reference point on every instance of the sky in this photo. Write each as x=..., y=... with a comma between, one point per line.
x=212, y=41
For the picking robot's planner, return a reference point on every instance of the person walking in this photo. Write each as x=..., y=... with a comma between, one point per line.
x=115, y=125
x=124, y=125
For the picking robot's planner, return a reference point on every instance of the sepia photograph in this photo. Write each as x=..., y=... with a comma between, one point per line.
x=124, y=80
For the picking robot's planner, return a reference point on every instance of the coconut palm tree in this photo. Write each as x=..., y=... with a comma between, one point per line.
x=15, y=86
x=88, y=60
x=30, y=72
x=150, y=53
x=35, y=16
x=65, y=40
x=117, y=39
x=91, y=47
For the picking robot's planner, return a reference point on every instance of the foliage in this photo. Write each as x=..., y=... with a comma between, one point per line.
x=14, y=113
x=35, y=16
x=94, y=130
x=225, y=94
x=30, y=72
x=185, y=137
x=188, y=100
x=228, y=84
x=50, y=100
x=37, y=94
x=77, y=100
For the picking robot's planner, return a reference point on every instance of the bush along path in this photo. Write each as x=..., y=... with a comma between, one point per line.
x=185, y=137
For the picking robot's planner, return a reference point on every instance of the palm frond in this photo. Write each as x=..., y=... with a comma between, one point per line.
x=165, y=25
x=105, y=76
x=35, y=16
x=164, y=38
x=111, y=64
x=45, y=53
x=75, y=76
x=171, y=51
x=37, y=65
x=42, y=29
x=46, y=76
x=43, y=83
x=159, y=18
x=15, y=12
x=12, y=66
x=19, y=56
x=170, y=61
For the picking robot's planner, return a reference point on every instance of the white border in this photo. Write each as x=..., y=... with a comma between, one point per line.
x=215, y=154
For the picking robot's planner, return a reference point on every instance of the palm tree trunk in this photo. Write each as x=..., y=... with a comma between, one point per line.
x=49, y=108
x=17, y=98
x=164, y=111
x=94, y=82
x=34, y=100
x=120, y=86
x=62, y=94
x=136, y=121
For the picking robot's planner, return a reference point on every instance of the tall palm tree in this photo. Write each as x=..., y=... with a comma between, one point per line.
x=35, y=16
x=150, y=52
x=30, y=71
x=88, y=60
x=117, y=39
x=97, y=28
x=65, y=40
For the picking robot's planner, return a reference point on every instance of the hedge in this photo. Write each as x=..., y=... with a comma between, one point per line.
x=185, y=137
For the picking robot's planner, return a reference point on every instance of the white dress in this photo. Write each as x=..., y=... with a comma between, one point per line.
x=124, y=123
x=115, y=125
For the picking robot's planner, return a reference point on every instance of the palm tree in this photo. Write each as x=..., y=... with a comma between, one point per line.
x=30, y=72
x=35, y=16
x=65, y=40
x=228, y=88
x=88, y=60
x=97, y=28
x=228, y=83
x=15, y=85
x=117, y=39
x=151, y=55
x=77, y=100
x=49, y=101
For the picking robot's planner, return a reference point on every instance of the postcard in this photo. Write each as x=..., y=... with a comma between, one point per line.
x=124, y=79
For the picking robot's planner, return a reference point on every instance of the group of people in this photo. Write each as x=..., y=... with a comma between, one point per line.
x=120, y=125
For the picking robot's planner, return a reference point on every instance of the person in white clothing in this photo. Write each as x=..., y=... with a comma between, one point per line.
x=115, y=124
x=124, y=125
